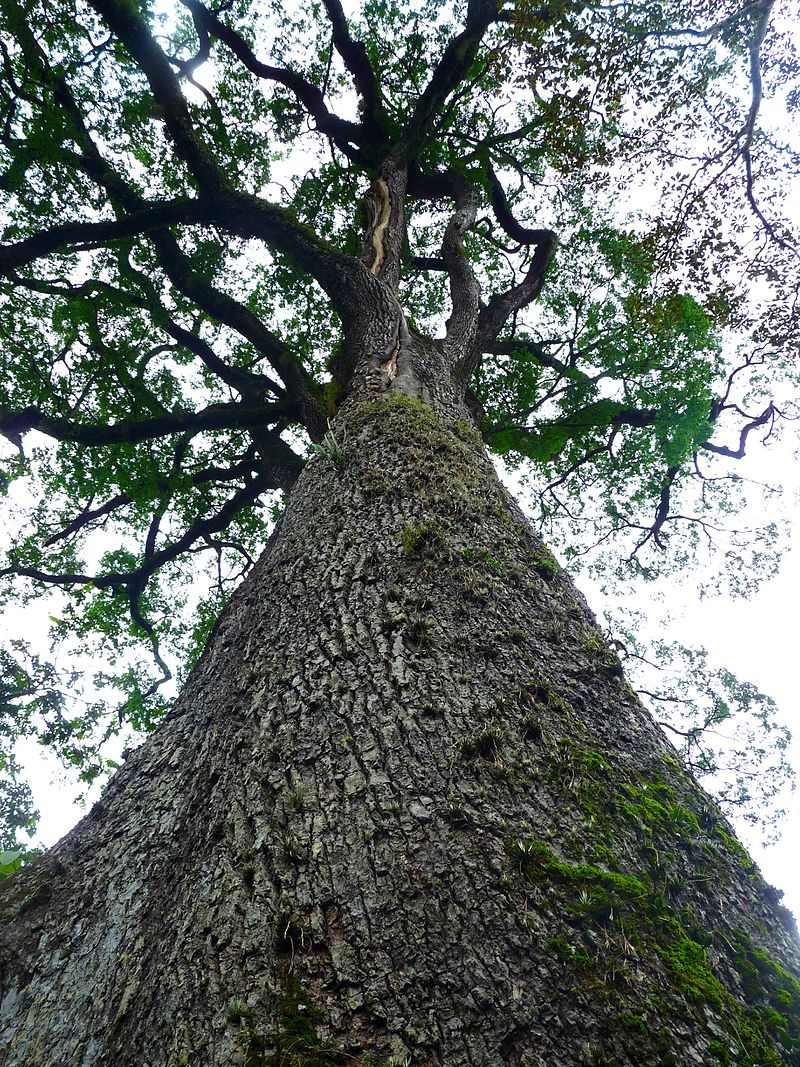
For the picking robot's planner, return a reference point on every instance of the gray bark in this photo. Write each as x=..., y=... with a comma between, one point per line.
x=406, y=806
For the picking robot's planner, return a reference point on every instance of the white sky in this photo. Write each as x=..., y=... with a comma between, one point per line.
x=760, y=641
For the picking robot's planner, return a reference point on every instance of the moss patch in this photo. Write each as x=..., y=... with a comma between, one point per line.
x=295, y=1043
x=545, y=565
x=424, y=538
x=764, y=1032
x=773, y=995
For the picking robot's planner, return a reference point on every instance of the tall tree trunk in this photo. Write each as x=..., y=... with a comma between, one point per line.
x=406, y=806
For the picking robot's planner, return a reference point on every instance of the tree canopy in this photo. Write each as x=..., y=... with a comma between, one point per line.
x=193, y=198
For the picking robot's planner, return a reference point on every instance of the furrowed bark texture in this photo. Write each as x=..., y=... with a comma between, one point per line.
x=405, y=807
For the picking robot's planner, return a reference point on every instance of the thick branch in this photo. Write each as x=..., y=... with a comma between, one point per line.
x=465, y=292
x=125, y=22
x=354, y=55
x=244, y=382
x=238, y=317
x=522, y=234
x=345, y=280
x=502, y=306
x=428, y=263
x=738, y=453
x=14, y=425
x=450, y=71
x=76, y=236
x=345, y=134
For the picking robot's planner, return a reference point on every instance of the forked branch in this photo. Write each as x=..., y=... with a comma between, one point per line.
x=345, y=134
x=502, y=306
x=355, y=58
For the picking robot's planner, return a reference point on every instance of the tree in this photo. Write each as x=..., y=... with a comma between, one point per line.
x=406, y=807
x=613, y=389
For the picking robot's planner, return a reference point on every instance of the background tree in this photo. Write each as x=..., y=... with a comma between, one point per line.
x=192, y=310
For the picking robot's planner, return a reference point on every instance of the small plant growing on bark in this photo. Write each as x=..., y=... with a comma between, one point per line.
x=296, y=800
x=238, y=1012
x=290, y=934
x=413, y=535
x=332, y=449
x=486, y=743
x=291, y=851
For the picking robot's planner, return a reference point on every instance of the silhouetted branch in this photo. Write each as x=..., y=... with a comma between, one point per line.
x=345, y=134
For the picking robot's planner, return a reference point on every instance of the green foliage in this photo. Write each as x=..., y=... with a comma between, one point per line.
x=727, y=731
x=630, y=390
x=27, y=694
x=10, y=861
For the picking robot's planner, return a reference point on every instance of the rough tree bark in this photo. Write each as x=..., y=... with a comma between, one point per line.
x=407, y=809
x=406, y=806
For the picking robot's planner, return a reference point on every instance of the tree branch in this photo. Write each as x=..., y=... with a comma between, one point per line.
x=465, y=292
x=14, y=425
x=244, y=468
x=88, y=515
x=134, y=604
x=177, y=264
x=354, y=55
x=344, y=134
x=249, y=384
x=451, y=69
x=78, y=236
x=138, y=578
x=502, y=306
x=767, y=415
x=757, y=93
x=751, y=8
x=340, y=275
x=662, y=513
x=125, y=22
